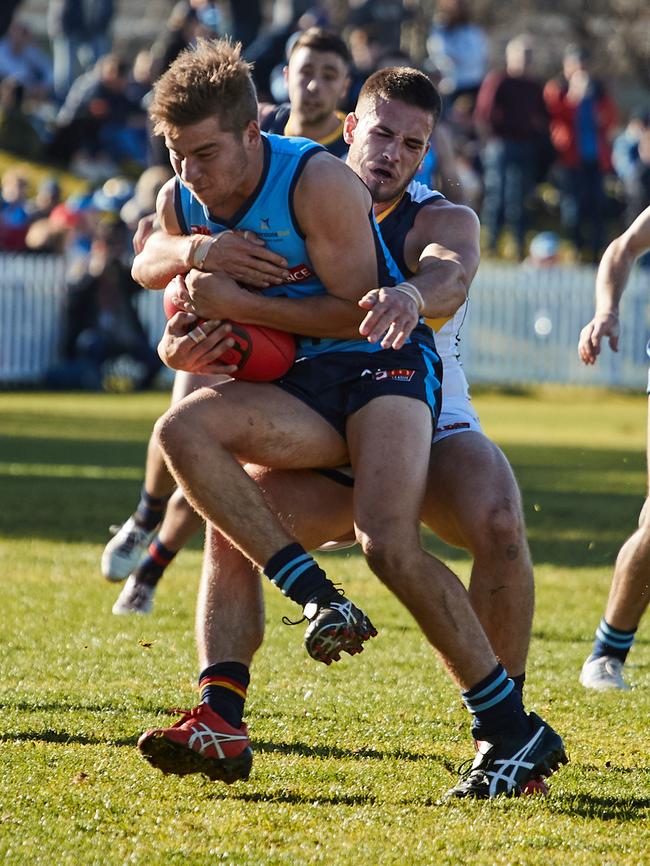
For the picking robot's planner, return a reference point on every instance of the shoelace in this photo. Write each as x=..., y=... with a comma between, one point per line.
x=465, y=769
x=303, y=618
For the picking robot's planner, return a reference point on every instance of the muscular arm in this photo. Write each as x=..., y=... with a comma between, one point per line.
x=332, y=208
x=611, y=279
x=169, y=252
x=443, y=250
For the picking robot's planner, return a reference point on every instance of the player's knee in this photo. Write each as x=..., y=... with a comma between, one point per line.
x=499, y=529
x=170, y=432
x=387, y=552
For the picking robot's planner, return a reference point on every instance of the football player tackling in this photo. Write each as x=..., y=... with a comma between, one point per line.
x=390, y=129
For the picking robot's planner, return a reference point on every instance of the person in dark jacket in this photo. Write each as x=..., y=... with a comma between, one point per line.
x=79, y=34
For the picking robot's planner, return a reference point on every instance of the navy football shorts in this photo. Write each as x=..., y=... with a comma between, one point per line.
x=338, y=384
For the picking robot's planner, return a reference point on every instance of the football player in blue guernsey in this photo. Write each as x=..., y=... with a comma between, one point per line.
x=317, y=81
x=345, y=398
x=388, y=134
x=147, y=542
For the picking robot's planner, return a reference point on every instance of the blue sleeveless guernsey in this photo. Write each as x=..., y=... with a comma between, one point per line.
x=269, y=213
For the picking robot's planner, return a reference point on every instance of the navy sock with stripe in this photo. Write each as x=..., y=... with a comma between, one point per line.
x=496, y=706
x=153, y=565
x=299, y=576
x=223, y=688
x=519, y=681
x=150, y=510
x=612, y=641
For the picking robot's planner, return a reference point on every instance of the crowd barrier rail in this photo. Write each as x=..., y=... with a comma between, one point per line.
x=521, y=328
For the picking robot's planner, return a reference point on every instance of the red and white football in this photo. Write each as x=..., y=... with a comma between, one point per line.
x=262, y=354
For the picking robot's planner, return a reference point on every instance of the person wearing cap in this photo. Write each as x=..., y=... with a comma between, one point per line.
x=583, y=119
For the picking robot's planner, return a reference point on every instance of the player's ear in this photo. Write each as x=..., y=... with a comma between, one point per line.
x=252, y=133
x=285, y=73
x=349, y=125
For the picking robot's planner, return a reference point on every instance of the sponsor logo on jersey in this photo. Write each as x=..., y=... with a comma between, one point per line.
x=300, y=273
x=267, y=232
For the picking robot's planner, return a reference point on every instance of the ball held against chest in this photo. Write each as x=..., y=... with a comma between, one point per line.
x=261, y=354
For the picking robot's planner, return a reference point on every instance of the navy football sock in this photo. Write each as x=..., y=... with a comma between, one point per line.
x=299, y=576
x=519, y=681
x=612, y=641
x=497, y=707
x=152, y=566
x=150, y=510
x=223, y=688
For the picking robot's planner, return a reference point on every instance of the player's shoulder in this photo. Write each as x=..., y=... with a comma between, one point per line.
x=167, y=204
x=291, y=145
x=327, y=183
x=439, y=208
x=325, y=168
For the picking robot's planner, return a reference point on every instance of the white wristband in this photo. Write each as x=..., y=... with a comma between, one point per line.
x=201, y=247
x=413, y=292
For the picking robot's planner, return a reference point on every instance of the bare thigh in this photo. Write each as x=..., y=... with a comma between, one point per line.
x=310, y=506
x=258, y=423
x=390, y=442
x=186, y=383
x=468, y=474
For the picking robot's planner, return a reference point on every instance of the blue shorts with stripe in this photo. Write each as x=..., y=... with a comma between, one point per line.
x=338, y=384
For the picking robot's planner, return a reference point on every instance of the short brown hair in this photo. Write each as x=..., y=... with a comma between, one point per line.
x=320, y=39
x=406, y=84
x=207, y=79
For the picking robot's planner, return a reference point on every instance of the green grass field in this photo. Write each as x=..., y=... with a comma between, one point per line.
x=350, y=761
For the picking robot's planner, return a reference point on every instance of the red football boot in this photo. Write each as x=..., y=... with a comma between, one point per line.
x=200, y=742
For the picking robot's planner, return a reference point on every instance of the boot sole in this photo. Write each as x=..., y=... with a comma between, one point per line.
x=178, y=760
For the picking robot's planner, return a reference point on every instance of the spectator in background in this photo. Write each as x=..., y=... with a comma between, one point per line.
x=269, y=50
x=24, y=62
x=366, y=50
x=143, y=201
x=14, y=210
x=100, y=125
x=102, y=322
x=458, y=49
x=638, y=184
x=246, y=20
x=48, y=196
x=625, y=149
x=583, y=118
x=18, y=131
x=182, y=29
x=68, y=229
x=79, y=34
x=7, y=10
x=512, y=122
x=384, y=18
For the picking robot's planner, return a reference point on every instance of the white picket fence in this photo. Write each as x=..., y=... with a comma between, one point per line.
x=522, y=326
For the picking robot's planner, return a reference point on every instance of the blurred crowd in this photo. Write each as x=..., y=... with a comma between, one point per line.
x=546, y=163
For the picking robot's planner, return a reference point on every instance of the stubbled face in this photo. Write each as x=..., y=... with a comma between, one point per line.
x=316, y=81
x=215, y=165
x=388, y=140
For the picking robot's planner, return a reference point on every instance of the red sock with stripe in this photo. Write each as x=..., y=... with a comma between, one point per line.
x=223, y=688
x=152, y=566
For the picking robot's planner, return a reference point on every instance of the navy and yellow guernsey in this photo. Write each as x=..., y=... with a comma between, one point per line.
x=277, y=119
x=270, y=214
x=395, y=223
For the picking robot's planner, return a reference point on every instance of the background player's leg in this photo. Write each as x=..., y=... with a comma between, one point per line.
x=473, y=501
